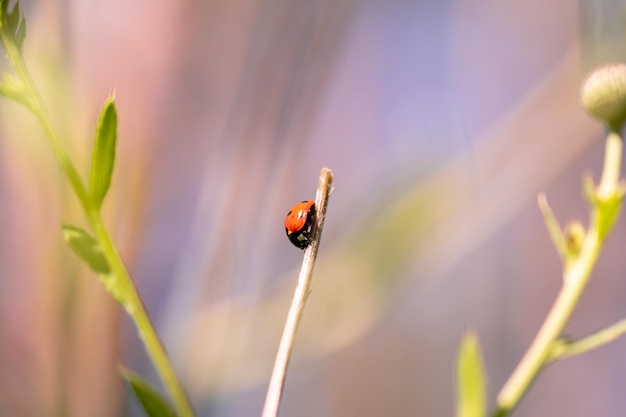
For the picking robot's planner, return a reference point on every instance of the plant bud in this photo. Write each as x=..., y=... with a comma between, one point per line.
x=603, y=94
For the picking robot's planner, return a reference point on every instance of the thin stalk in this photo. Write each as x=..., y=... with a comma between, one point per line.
x=539, y=352
x=612, y=165
x=132, y=302
x=41, y=112
x=277, y=380
x=136, y=309
x=575, y=278
x=597, y=339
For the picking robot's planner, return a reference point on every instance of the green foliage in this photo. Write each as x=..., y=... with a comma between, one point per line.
x=471, y=386
x=12, y=34
x=86, y=248
x=90, y=251
x=98, y=251
x=151, y=401
x=103, y=159
x=100, y=254
x=12, y=23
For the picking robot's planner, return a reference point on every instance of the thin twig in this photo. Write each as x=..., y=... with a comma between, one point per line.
x=597, y=339
x=277, y=380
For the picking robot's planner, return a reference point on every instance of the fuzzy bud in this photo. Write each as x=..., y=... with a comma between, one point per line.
x=603, y=94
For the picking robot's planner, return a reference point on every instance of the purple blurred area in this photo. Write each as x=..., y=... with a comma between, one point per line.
x=441, y=120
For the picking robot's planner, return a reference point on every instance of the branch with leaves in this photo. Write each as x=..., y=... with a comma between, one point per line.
x=98, y=250
x=604, y=97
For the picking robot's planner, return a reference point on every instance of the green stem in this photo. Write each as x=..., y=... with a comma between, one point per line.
x=40, y=111
x=132, y=302
x=600, y=338
x=576, y=276
x=574, y=282
x=136, y=309
x=612, y=165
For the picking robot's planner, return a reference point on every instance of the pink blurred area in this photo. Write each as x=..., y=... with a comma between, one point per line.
x=227, y=112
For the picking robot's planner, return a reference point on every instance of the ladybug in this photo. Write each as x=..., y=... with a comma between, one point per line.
x=299, y=223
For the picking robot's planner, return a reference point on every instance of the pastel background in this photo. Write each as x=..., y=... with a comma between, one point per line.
x=441, y=120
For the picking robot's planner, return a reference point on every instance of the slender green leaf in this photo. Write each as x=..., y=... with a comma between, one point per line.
x=471, y=386
x=552, y=225
x=151, y=401
x=103, y=152
x=86, y=248
x=13, y=22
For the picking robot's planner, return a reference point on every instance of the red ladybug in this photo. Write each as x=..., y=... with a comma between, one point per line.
x=299, y=223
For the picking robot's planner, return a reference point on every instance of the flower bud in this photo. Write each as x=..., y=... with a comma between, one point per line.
x=603, y=94
x=574, y=236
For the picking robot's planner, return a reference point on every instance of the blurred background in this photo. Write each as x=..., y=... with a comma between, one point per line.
x=441, y=120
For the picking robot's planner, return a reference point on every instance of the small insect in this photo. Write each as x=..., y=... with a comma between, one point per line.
x=299, y=223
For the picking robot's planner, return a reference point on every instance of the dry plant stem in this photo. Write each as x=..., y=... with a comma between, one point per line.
x=277, y=380
x=133, y=303
x=575, y=278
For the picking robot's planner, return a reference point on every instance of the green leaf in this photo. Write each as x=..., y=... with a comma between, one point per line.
x=552, y=225
x=86, y=248
x=4, y=4
x=103, y=158
x=89, y=250
x=4, y=13
x=607, y=212
x=13, y=22
x=471, y=386
x=151, y=401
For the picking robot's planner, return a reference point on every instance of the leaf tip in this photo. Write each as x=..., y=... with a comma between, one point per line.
x=471, y=385
x=150, y=399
